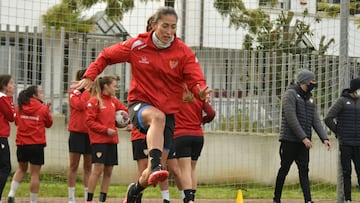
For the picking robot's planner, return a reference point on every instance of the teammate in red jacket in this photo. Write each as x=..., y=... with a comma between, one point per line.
x=189, y=141
x=79, y=142
x=7, y=114
x=32, y=117
x=160, y=65
x=103, y=134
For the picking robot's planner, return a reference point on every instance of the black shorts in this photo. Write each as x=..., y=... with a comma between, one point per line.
x=5, y=162
x=31, y=153
x=136, y=110
x=172, y=154
x=139, y=148
x=79, y=143
x=189, y=146
x=106, y=154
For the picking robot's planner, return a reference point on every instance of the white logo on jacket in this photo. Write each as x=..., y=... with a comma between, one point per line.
x=144, y=60
x=34, y=118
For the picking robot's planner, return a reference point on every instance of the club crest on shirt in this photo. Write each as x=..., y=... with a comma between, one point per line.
x=311, y=100
x=98, y=154
x=173, y=63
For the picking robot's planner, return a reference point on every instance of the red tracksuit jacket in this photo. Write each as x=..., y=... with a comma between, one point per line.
x=158, y=75
x=137, y=135
x=31, y=123
x=191, y=116
x=77, y=104
x=99, y=119
x=7, y=114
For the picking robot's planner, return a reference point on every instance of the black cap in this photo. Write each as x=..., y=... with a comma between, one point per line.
x=354, y=84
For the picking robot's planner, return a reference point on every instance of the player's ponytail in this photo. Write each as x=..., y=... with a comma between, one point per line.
x=99, y=85
x=25, y=95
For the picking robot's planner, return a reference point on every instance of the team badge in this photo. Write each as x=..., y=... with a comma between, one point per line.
x=145, y=152
x=2, y=146
x=98, y=154
x=173, y=64
x=311, y=100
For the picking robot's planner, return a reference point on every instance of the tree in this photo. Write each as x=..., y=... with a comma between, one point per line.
x=61, y=16
x=265, y=34
x=67, y=14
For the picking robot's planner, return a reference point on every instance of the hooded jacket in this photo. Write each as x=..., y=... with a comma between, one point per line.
x=158, y=75
x=299, y=115
x=100, y=118
x=191, y=117
x=7, y=114
x=77, y=103
x=31, y=123
x=343, y=119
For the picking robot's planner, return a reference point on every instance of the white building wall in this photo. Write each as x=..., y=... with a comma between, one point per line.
x=217, y=33
x=24, y=12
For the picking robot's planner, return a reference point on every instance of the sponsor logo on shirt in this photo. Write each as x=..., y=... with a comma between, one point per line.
x=144, y=60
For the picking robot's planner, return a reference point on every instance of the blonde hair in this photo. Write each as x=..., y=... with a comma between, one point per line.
x=99, y=85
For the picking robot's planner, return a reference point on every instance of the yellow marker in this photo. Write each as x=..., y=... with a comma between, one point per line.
x=239, y=198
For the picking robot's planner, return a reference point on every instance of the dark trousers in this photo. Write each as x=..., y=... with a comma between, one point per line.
x=5, y=164
x=348, y=154
x=290, y=152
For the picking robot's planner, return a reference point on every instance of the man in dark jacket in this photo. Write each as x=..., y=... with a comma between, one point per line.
x=343, y=119
x=299, y=115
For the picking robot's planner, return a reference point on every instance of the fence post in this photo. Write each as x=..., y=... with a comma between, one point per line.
x=344, y=76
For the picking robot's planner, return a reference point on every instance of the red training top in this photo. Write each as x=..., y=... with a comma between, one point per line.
x=99, y=119
x=158, y=75
x=137, y=135
x=77, y=104
x=31, y=123
x=7, y=114
x=188, y=121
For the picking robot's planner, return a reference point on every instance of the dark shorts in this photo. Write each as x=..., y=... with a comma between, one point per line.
x=106, y=154
x=31, y=153
x=172, y=154
x=139, y=148
x=5, y=163
x=189, y=146
x=79, y=143
x=136, y=109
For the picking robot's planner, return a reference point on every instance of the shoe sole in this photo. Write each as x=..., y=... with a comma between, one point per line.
x=157, y=177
